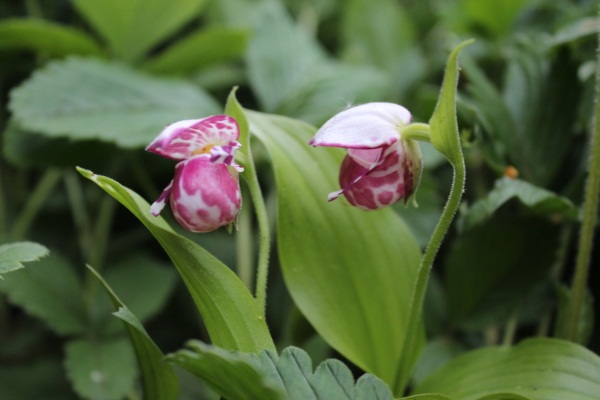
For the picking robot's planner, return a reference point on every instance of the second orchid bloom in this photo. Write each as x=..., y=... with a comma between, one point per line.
x=205, y=192
x=381, y=168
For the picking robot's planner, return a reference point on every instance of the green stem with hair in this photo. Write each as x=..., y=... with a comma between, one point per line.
x=589, y=217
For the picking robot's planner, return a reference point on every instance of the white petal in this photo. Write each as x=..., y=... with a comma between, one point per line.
x=367, y=126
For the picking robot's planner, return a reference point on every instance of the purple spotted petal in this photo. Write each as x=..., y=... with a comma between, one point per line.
x=395, y=178
x=226, y=155
x=367, y=126
x=181, y=139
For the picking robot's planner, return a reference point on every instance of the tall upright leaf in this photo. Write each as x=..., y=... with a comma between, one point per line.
x=350, y=272
x=229, y=311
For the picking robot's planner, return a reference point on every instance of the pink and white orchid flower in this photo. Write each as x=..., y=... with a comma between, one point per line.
x=381, y=167
x=205, y=193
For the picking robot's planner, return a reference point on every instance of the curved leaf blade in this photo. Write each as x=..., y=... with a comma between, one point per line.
x=336, y=258
x=537, y=199
x=159, y=380
x=539, y=369
x=229, y=311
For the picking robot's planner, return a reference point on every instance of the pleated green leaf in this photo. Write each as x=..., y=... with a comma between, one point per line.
x=538, y=369
x=228, y=309
x=268, y=376
x=350, y=272
x=91, y=99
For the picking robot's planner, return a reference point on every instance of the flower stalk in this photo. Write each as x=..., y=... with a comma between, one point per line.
x=589, y=217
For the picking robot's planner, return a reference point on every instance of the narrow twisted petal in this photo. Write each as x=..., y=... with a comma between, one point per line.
x=205, y=196
x=366, y=126
x=183, y=139
x=226, y=155
x=159, y=204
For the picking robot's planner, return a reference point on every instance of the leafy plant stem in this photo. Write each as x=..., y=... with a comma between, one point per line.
x=34, y=203
x=262, y=267
x=416, y=307
x=80, y=215
x=510, y=328
x=102, y=232
x=244, y=246
x=589, y=216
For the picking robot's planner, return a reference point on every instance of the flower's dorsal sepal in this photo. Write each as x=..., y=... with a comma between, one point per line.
x=181, y=140
x=367, y=126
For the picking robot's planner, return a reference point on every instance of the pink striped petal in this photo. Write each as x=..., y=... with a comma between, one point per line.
x=205, y=196
x=181, y=139
x=226, y=155
x=366, y=126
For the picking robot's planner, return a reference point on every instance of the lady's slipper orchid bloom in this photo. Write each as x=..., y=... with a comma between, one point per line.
x=381, y=167
x=205, y=193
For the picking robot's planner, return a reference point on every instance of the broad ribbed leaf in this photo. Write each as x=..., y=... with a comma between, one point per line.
x=267, y=376
x=100, y=370
x=13, y=255
x=90, y=99
x=45, y=37
x=539, y=369
x=51, y=292
x=229, y=311
x=131, y=27
x=350, y=272
x=160, y=382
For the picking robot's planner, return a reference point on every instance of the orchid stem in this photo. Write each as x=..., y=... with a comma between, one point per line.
x=416, y=304
x=416, y=131
x=589, y=216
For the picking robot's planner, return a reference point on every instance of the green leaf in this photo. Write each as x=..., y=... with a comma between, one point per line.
x=271, y=377
x=539, y=369
x=159, y=380
x=26, y=149
x=426, y=397
x=45, y=379
x=100, y=370
x=443, y=123
x=334, y=257
x=497, y=19
x=200, y=50
x=46, y=38
x=586, y=318
x=90, y=99
x=51, y=292
x=13, y=255
x=229, y=311
x=493, y=267
x=291, y=75
x=538, y=200
x=576, y=30
x=132, y=27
